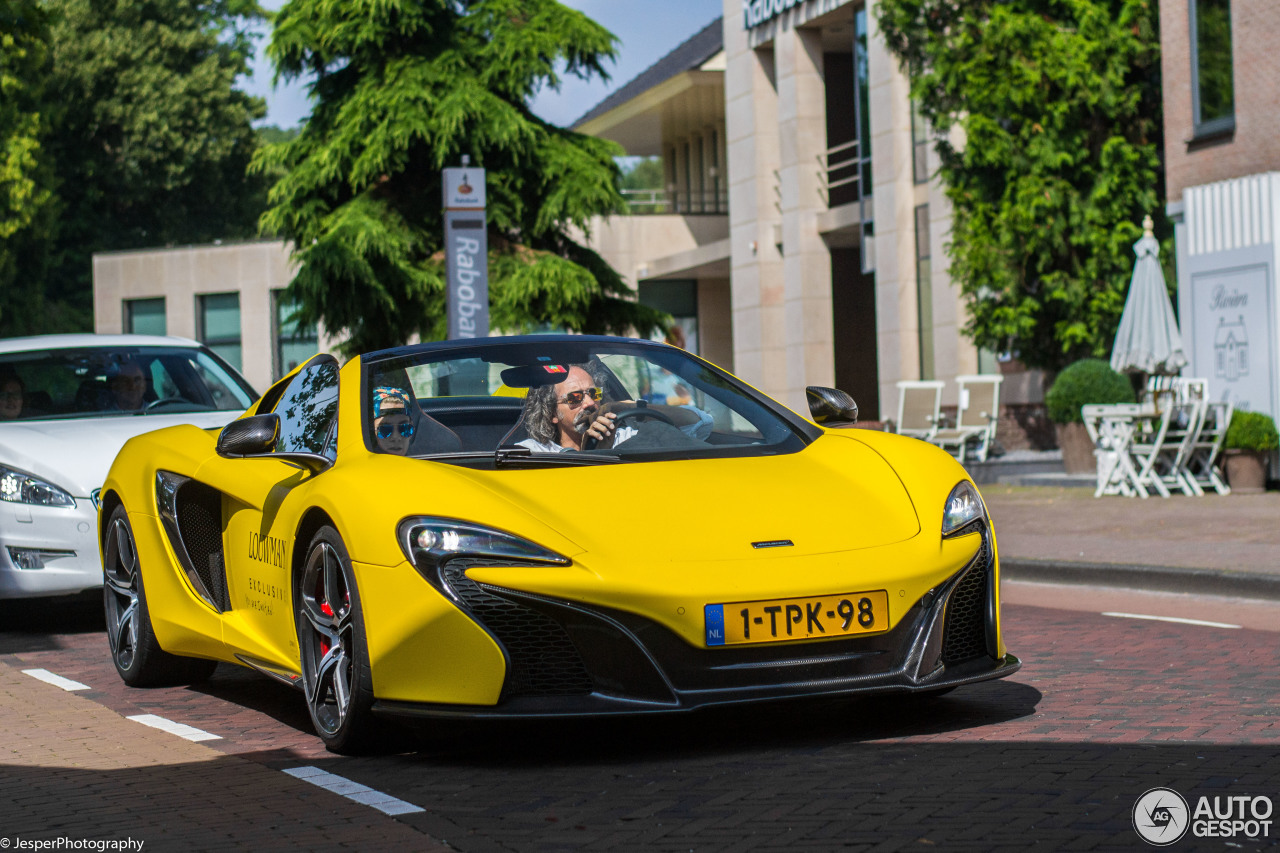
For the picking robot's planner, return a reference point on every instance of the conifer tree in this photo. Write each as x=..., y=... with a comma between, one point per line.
x=402, y=89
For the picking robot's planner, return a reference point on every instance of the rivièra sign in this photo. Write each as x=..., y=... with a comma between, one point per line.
x=756, y=12
x=466, y=253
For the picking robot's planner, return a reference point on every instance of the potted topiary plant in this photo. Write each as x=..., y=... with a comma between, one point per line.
x=1250, y=439
x=1089, y=380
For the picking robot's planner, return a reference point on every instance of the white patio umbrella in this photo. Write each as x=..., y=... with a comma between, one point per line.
x=1148, y=340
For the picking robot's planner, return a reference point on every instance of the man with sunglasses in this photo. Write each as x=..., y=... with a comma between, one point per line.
x=560, y=417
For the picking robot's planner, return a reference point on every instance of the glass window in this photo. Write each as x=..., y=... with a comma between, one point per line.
x=1212, y=87
x=924, y=291
x=295, y=343
x=144, y=316
x=99, y=381
x=219, y=316
x=862, y=98
x=460, y=404
x=919, y=145
x=307, y=409
x=679, y=298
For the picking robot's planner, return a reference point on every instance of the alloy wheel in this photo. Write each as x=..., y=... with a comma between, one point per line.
x=120, y=566
x=328, y=631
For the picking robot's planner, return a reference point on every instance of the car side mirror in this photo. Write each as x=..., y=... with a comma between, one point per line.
x=256, y=437
x=831, y=406
x=249, y=436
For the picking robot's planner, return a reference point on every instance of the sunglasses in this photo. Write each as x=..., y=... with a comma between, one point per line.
x=574, y=398
x=386, y=430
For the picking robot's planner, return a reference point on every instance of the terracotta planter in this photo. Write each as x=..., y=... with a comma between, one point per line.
x=1077, y=449
x=1246, y=470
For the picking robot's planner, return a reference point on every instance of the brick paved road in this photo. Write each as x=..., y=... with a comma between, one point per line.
x=1102, y=710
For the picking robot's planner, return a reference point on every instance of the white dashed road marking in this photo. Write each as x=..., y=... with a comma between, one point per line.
x=56, y=680
x=384, y=803
x=1177, y=619
x=179, y=729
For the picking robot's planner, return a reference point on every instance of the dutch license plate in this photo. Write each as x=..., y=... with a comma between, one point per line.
x=839, y=615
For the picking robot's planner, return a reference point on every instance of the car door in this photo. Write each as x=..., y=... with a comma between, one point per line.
x=262, y=502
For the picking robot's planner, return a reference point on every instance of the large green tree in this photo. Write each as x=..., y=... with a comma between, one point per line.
x=151, y=142
x=403, y=89
x=1058, y=104
x=26, y=179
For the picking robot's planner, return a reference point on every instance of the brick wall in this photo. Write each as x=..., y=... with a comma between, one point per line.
x=1255, y=146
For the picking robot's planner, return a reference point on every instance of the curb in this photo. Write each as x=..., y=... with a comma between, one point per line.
x=1152, y=578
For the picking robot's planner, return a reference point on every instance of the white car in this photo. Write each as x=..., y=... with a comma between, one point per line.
x=68, y=403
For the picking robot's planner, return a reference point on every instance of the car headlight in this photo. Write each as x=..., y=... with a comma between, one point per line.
x=23, y=488
x=964, y=511
x=429, y=542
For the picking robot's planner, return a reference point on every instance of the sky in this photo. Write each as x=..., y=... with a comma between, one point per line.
x=646, y=31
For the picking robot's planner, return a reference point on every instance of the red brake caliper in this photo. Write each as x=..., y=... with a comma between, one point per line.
x=327, y=611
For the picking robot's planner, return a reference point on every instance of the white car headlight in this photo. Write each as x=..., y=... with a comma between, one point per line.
x=964, y=510
x=428, y=542
x=23, y=488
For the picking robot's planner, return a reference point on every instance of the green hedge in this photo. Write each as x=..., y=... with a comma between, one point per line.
x=1090, y=380
x=1252, y=431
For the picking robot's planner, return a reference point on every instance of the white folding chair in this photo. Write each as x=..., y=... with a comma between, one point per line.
x=919, y=407
x=1183, y=426
x=976, y=419
x=1145, y=446
x=1202, y=456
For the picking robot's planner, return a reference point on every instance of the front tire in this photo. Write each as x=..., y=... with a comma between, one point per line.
x=135, y=651
x=331, y=643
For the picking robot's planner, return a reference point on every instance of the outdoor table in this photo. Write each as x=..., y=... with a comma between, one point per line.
x=1127, y=439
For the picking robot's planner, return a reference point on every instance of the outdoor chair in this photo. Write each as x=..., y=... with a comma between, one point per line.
x=1145, y=448
x=1202, y=456
x=976, y=419
x=1183, y=426
x=919, y=407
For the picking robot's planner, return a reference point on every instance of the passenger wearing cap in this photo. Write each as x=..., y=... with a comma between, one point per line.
x=392, y=426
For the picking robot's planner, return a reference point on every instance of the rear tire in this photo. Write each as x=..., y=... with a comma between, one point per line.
x=334, y=655
x=135, y=651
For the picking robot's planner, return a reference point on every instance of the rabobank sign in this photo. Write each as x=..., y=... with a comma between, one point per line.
x=466, y=252
x=756, y=12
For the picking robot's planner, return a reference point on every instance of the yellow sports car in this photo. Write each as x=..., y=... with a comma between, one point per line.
x=545, y=525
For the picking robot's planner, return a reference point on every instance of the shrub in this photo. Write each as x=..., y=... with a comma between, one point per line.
x=1087, y=381
x=1252, y=431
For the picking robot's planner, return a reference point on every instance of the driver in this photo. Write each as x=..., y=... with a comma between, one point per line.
x=128, y=386
x=559, y=417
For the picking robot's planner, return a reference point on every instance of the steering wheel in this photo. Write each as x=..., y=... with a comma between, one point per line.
x=636, y=414
x=166, y=401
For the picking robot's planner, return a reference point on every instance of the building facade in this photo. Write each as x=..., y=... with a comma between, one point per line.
x=1221, y=79
x=803, y=189
x=230, y=297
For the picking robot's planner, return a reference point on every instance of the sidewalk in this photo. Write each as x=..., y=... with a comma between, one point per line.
x=1226, y=545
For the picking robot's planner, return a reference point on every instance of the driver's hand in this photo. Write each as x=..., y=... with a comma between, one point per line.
x=602, y=428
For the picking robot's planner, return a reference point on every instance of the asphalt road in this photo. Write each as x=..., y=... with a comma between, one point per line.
x=1105, y=708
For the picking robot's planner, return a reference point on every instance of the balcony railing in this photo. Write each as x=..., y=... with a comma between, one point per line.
x=840, y=171
x=648, y=202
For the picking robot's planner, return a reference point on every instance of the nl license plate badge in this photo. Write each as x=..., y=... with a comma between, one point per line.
x=779, y=620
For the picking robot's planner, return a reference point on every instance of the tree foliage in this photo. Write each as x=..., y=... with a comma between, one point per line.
x=26, y=197
x=1058, y=104
x=403, y=89
x=153, y=142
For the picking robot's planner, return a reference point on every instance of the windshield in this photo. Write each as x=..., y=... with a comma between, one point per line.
x=540, y=400
x=93, y=382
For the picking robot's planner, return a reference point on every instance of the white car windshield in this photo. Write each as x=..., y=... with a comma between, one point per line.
x=91, y=382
